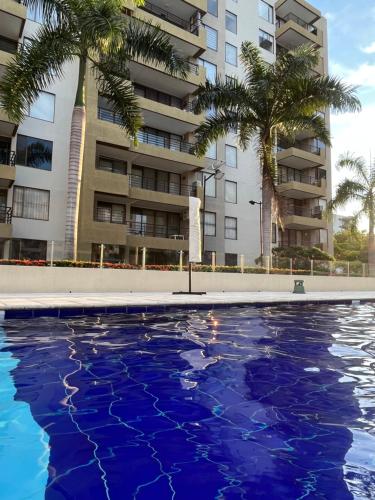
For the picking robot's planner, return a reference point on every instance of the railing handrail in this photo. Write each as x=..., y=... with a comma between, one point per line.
x=292, y=17
x=165, y=142
x=300, y=145
x=171, y=18
x=112, y=218
x=7, y=157
x=169, y=187
x=314, y=213
x=156, y=230
x=284, y=177
x=6, y=214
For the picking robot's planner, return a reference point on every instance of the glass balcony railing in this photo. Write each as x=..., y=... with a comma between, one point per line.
x=292, y=17
x=165, y=15
x=313, y=213
x=155, y=230
x=166, y=142
x=138, y=181
x=310, y=148
x=299, y=177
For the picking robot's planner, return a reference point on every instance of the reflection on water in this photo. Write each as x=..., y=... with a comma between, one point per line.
x=274, y=403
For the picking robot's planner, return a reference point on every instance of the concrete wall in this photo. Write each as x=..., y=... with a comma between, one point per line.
x=19, y=279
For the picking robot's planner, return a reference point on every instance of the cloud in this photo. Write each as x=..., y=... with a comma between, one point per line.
x=363, y=75
x=370, y=49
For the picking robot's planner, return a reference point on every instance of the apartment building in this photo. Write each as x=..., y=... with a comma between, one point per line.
x=137, y=196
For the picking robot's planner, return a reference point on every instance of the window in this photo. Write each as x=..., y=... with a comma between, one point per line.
x=111, y=165
x=44, y=107
x=265, y=41
x=34, y=13
x=266, y=11
x=212, y=7
x=230, y=21
x=210, y=185
x=34, y=153
x=231, y=54
x=231, y=156
x=211, y=70
x=211, y=37
x=210, y=224
x=29, y=203
x=231, y=259
x=22, y=249
x=230, y=228
x=230, y=192
x=274, y=233
x=212, y=151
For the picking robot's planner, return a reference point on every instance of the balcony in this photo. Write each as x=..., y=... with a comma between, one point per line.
x=301, y=8
x=7, y=168
x=12, y=19
x=6, y=214
x=300, y=155
x=161, y=193
x=7, y=50
x=292, y=31
x=301, y=186
x=304, y=218
x=183, y=25
x=164, y=237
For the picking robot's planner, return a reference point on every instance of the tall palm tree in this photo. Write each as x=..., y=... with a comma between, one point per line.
x=101, y=39
x=359, y=188
x=274, y=101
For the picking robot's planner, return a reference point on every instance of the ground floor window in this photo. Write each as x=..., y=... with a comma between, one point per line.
x=112, y=253
x=156, y=257
x=23, y=249
x=231, y=259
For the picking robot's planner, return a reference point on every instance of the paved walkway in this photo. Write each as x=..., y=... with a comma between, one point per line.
x=104, y=300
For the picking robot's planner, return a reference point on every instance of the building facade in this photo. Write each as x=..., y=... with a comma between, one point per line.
x=136, y=196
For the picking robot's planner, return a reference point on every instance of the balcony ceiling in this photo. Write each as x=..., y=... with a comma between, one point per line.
x=298, y=159
x=145, y=156
x=161, y=207
x=291, y=38
x=302, y=192
x=167, y=123
x=299, y=8
x=179, y=8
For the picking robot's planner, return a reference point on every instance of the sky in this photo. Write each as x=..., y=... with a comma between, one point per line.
x=351, y=33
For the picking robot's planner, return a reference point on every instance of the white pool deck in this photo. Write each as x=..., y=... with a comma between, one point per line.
x=100, y=300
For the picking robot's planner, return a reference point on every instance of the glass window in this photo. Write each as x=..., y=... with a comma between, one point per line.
x=28, y=249
x=210, y=224
x=230, y=21
x=231, y=54
x=230, y=228
x=111, y=165
x=274, y=233
x=212, y=151
x=34, y=13
x=266, y=11
x=212, y=7
x=231, y=259
x=29, y=203
x=231, y=156
x=230, y=192
x=211, y=37
x=35, y=153
x=210, y=185
x=44, y=107
x=265, y=41
x=211, y=70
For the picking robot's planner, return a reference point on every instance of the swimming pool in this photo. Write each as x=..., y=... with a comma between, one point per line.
x=238, y=403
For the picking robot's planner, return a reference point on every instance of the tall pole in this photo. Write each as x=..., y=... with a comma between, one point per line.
x=261, y=229
x=204, y=215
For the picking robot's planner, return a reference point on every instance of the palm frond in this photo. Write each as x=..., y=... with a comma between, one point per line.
x=53, y=12
x=215, y=127
x=221, y=95
x=357, y=165
x=37, y=65
x=348, y=190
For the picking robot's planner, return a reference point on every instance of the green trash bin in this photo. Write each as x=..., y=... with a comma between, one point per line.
x=299, y=286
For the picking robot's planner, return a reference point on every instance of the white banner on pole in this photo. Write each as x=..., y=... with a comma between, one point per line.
x=195, y=243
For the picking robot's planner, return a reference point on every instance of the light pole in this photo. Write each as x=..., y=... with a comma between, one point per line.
x=218, y=174
x=260, y=203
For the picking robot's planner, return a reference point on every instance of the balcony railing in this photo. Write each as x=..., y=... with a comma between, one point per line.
x=165, y=142
x=6, y=214
x=292, y=17
x=7, y=157
x=310, y=148
x=109, y=116
x=171, y=18
x=155, y=230
x=103, y=214
x=139, y=181
x=313, y=213
x=297, y=177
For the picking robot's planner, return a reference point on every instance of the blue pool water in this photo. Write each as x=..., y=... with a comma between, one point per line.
x=239, y=403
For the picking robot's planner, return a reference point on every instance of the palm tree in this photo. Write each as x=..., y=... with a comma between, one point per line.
x=101, y=39
x=274, y=101
x=359, y=188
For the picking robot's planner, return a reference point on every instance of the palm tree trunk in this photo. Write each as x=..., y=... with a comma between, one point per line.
x=371, y=246
x=77, y=145
x=267, y=199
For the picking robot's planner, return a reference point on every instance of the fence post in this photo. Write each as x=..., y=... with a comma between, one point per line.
x=312, y=267
x=143, y=258
x=267, y=259
x=213, y=261
x=348, y=264
x=330, y=268
x=364, y=270
x=101, y=255
x=291, y=265
x=242, y=263
x=52, y=253
x=181, y=260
